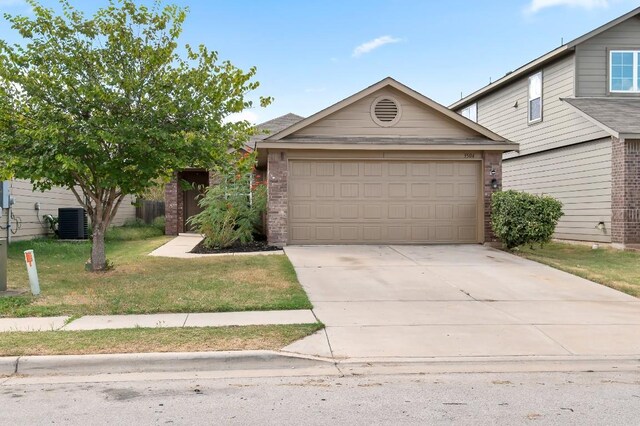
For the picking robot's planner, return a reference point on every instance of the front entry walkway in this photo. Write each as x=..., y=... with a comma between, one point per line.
x=456, y=301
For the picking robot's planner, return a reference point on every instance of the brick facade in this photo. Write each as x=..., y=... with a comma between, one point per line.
x=625, y=195
x=173, y=207
x=174, y=198
x=277, y=204
x=492, y=169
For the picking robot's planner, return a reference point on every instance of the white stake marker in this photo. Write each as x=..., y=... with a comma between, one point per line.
x=30, y=260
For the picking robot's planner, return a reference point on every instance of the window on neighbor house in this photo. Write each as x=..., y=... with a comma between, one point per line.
x=470, y=112
x=624, y=71
x=535, y=97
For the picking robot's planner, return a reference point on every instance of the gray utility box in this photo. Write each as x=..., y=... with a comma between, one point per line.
x=3, y=264
x=4, y=194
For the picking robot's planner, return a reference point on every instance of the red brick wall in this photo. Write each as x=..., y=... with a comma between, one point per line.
x=491, y=161
x=173, y=205
x=277, y=204
x=625, y=194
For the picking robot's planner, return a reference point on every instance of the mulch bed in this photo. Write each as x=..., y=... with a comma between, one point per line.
x=236, y=248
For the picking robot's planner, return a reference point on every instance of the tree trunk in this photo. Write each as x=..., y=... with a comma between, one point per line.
x=98, y=253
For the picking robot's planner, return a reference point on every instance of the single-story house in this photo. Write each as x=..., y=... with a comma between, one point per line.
x=385, y=165
x=181, y=202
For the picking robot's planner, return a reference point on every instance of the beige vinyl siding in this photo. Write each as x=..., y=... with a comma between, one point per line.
x=31, y=222
x=579, y=176
x=592, y=56
x=416, y=120
x=560, y=126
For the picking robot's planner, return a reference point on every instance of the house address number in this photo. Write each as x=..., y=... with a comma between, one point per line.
x=469, y=155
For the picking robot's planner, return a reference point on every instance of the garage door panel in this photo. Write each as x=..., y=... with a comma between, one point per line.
x=444, y=190
x=349, y=190
x=325, y=189
x=466, y=232
x=373, y=190
x=420, y=190
x=468, y=190
x=380, y=201
x=349, y=169
x=300, y=169
x=467, y=211
x=397, y=190
x=302, y=211
x=397, y=169
x=420, y=169
x=371, y=233
x=372, y=169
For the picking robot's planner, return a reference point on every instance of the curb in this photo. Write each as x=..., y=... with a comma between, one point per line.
x=85, y=365
x=259, y=363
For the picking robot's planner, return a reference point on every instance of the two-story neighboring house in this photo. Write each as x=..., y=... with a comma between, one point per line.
x=575, y=112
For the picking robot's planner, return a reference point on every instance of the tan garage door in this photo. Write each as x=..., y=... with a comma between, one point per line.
x=379, y=202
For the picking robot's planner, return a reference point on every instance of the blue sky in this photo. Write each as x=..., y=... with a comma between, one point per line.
x=313, y=53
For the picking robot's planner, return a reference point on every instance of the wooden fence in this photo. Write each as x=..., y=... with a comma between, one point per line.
x=149, y=210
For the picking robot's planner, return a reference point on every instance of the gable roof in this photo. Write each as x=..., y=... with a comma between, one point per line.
x=272, y=126
x=553, y=55
x=614, y=115
x=388, y=82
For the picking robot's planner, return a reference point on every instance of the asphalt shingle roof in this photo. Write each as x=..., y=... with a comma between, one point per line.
x=273, y=126
x=621, y=115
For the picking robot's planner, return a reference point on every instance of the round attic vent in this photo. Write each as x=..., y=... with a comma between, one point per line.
x=385, y=111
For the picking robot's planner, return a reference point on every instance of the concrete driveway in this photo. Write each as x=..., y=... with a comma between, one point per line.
x=456, y=301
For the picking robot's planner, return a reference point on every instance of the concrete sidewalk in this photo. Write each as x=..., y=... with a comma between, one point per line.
x=104, y=322
x=181, y=246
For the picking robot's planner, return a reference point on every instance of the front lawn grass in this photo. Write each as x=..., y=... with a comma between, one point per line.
x=614, y=268
x=135, y=340
x=141, y=284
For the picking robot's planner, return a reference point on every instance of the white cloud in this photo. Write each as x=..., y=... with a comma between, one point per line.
x=374, y=44
x=537, y=5
x=250, y=116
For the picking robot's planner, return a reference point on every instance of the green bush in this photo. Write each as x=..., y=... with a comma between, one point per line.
x=159, y=222
x=133, y=222
x=520, y=218
x=232, y=209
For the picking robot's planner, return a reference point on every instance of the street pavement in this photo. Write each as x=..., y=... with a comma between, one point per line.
x=466, y=399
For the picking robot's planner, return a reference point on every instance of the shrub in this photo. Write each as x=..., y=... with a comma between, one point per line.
x=232, y=209
x=520, y=218
x=133, y=222
x=133, y=230
x=159, y=222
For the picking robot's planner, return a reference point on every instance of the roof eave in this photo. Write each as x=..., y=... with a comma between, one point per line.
x=504, y=147
x=512, y=76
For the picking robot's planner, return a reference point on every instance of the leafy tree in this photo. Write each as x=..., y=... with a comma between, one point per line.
x=106, y=105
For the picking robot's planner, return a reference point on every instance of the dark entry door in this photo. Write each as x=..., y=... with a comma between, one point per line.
x=199, y=181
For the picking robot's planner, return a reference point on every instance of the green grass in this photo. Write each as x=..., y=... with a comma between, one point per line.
x=153, y=340
x=614, y=268
x=142, y=284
